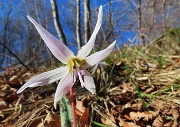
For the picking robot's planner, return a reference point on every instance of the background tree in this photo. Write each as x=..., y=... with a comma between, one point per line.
x=122, y=20
x=78, y=25
x=57, y=23
x=87, y=15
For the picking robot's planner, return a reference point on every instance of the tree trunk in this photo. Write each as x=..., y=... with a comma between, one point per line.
x=57, y=23
x=164, y=14
x=78, y=25
x=87, y=32
x=140, y=22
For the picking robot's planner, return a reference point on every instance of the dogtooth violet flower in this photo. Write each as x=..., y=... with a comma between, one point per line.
x=75, y=65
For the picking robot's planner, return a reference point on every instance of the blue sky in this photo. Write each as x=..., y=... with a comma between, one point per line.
x=20, y=13
x=125, y=34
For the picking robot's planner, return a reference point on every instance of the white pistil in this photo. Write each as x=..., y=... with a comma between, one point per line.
x=81, y=80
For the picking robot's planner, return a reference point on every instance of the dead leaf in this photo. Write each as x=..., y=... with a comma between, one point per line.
x=122, y=123
x=83, y=119
x=51, y=120
x=159, y=121
x=137, y=106
x=126, y=87
x=3, y=104
x=2, y=94
x=176, y=113
x=107, y=121
x=10, y=98
x=169, y=124
x=162, y=105
x=175, y=124
x=146, y=116
x=80, y=106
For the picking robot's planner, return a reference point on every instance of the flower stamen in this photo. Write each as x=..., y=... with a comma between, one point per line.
x=75, y=63
x=81, y=79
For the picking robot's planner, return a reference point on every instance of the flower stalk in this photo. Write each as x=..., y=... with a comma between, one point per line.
x=73, y=107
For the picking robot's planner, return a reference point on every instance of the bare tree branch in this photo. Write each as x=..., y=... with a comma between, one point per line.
x=57, y=23
x=1, y=43
x=78, y=25
x=6, y=24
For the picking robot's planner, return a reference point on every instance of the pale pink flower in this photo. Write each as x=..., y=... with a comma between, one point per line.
x=75, y=65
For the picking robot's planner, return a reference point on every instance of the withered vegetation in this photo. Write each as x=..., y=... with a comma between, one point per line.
x=140, y=86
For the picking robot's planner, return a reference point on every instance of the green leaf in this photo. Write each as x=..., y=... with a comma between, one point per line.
x=66, y=113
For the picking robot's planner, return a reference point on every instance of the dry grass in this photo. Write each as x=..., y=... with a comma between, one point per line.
x=137, y=88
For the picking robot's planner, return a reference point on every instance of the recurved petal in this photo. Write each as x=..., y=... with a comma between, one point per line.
x=63, y=88
x=100, y=64
x=86, y=49
x=89, y=82
x=45, y=78
x=98, y=56
x=58, y=49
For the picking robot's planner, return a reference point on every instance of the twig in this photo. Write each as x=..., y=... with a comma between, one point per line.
x=14, y=55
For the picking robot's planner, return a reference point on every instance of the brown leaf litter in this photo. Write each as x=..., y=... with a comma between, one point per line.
x=138, y=94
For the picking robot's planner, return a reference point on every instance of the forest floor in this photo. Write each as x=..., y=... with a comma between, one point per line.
x=136, y=88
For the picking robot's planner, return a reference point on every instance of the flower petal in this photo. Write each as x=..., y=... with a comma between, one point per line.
x=100, y=64
x=58, y=49
x=45, y=78
x=89, y=82
x=80, y=79
x=86, y=49
x=98, y=56
x=63, y=88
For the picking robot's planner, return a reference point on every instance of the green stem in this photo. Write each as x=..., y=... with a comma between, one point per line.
x=73, y=106
x=99, y=124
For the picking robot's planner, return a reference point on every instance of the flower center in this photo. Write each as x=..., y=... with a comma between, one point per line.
x=75, y=63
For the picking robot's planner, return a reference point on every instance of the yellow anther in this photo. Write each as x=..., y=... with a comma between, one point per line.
x=75, y=63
